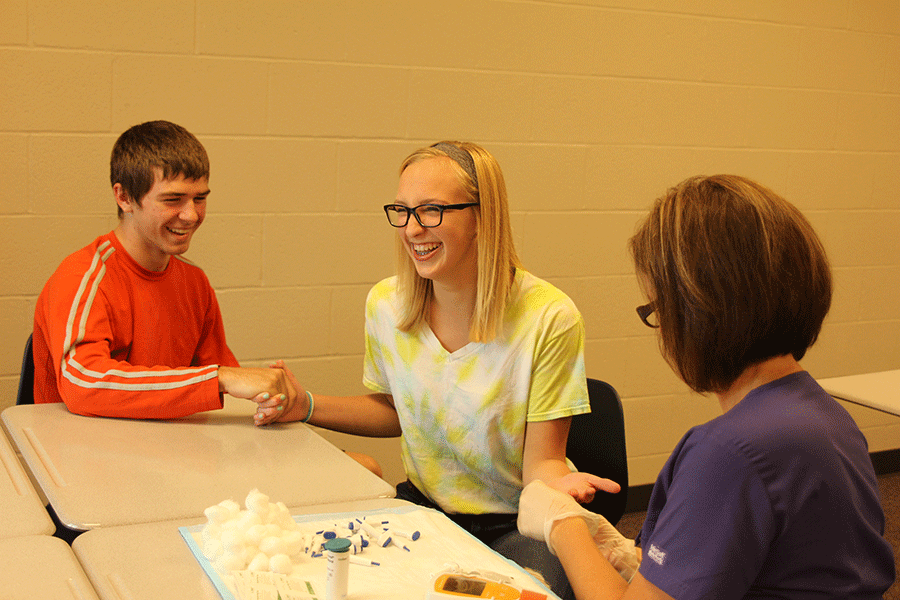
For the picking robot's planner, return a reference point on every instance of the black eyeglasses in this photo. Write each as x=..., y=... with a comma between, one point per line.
x=644, y=311
x=428, y=215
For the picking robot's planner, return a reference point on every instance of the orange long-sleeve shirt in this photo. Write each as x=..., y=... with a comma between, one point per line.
x=113, y=339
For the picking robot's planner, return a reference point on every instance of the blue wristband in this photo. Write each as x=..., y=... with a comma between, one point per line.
x=312, y=403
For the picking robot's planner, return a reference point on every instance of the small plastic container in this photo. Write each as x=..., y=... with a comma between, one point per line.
x=337, y=551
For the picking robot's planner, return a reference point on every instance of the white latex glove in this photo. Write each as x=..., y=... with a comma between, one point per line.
x=541, y=507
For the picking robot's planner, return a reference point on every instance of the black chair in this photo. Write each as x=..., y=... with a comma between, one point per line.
x=26, y=377
x=597, y=445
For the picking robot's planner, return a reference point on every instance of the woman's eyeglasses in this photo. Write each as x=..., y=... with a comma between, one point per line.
x=645, y=312
x=428, y=215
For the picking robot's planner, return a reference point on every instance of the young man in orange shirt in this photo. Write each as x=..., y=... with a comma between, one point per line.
x=125, y=327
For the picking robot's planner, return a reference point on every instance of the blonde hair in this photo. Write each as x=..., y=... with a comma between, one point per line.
x=497, y=257
x=736, y=275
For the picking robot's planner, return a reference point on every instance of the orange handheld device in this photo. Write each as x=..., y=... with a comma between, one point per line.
x=458, y=586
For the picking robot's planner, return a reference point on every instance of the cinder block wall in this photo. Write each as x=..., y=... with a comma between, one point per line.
x=593, y=108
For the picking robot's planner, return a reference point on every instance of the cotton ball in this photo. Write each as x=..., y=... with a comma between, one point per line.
x=281, y=516
x=210, y=532
x=231, y=506
x=293, y=542
x=258, y=503
x=255, y=534
x=233, y=561
x=227, y=533
x=217, y=514
x=281, y=563
x=286, y=523
x=272, y=545
x=247, y=520
x=212, y=549
x=251, y=550
x=256, y=498
x=260, y=562
x=229, y=525
x=232, y=539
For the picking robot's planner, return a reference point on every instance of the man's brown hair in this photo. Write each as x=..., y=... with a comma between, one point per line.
x=155, y=145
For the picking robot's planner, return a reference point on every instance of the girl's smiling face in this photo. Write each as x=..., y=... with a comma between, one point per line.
x=446, y=254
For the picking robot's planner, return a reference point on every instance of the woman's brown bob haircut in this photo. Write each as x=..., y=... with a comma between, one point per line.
x=736, y=275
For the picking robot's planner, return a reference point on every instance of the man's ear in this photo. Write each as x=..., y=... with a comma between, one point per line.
x=122, y=198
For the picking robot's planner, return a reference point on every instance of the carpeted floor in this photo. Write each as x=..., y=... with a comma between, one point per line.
x=889, y=484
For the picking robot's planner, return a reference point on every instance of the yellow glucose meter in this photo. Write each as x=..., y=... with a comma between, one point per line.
x=455, y=586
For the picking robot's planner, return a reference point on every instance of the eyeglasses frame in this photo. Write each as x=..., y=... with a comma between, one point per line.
x=414, y=211
x=644, y=311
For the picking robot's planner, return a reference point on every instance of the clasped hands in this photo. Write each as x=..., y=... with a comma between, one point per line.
x=275, y=390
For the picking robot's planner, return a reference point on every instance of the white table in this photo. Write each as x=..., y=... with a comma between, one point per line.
x=99, y=472
x=21, y=510
x=880, y=391
x=41, y=567
x=152, y=561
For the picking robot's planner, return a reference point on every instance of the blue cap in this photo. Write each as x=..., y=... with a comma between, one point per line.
x=338, y=545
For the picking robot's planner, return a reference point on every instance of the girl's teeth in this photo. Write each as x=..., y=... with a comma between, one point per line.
x=424, y=250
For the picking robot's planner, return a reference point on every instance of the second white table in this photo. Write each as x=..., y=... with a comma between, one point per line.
x=21, y=510
x=41, y=567
x=880, y=391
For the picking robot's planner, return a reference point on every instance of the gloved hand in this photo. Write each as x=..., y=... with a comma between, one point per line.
x=540, y=507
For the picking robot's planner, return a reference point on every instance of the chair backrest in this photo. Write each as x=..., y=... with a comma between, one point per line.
x=26, y=376
x=597, y=445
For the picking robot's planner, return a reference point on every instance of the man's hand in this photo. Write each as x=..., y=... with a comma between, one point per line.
x=269, y=388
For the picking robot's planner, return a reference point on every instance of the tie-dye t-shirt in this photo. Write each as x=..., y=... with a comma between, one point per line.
x=463, y=414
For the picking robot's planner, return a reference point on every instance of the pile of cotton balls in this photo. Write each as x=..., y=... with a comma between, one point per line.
x=263, y=537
